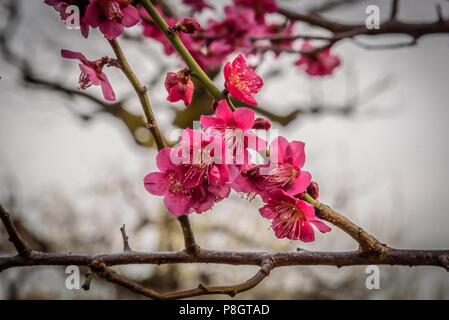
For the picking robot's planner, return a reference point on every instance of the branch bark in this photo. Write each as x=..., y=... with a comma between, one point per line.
x=19, y=243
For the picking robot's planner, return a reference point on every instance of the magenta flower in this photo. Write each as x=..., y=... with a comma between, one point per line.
x=197, y=5
x=179, y=86
x=236, y=29
x=284, y=170
x=242, y=81
x=232, y=125
x=202, y=159
x=61, y=7
x=260, y=7
x=178, y=199
x=320, y=63
x=112, y=16
x=292, y=218
x=92, y=73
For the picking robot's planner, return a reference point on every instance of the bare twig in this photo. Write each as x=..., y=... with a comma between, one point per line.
x=14, y=236
x=103, y=271
x=394, y=9
x=125, y=239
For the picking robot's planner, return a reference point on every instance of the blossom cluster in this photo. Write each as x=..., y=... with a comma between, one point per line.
x=207, y=164
x=210, y=46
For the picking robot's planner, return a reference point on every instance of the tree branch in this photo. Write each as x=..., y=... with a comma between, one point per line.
x=152, y=126
x=103, y=271
x=392, y=26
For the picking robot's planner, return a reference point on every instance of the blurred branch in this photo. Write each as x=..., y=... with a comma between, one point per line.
x=346, y=31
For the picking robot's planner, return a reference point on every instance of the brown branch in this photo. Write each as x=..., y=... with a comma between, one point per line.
x=367, y=242
x=153, y=127
x=394, y=9
x=103, y=271
x=189, y=237
x=19, y=243
x=392, y=26
x=391, y=256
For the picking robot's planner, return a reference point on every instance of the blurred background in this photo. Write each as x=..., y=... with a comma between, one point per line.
x=72, y=165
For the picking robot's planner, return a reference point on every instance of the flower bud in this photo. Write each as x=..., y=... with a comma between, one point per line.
x=261, y=124
x=187, y=25
x=313, y=190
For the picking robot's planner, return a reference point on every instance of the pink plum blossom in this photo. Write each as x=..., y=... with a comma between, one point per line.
x=202, y=159
x=236, y=29
x=260, y=7
x=238, y=123
x=112, y=16
x=197, y=5
x=292, y=218
x=320, y=63
x=242, y=81
x=284, y=172
x=61, y=7
x=92, y=73
x=178, y=199
x=179, y=86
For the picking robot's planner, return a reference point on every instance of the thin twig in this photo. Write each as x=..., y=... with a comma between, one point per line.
x=125, y=237
x=151, y=123
x=103, y=271
x=14, y=236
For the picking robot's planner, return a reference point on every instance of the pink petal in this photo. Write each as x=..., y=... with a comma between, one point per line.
x=210, y=121
x=91, y=74
x=107, y=90
x=277, y=148
x=320, y=225
x=111, y=29
x=73, y=55
x=223, y=111
x=163, y=159
x=178, y=204
x=130, y=16
x=294, y=154
x=91, y=17
x=300, y=183
x=156, y=183
x=307, y=232
x=244, y=118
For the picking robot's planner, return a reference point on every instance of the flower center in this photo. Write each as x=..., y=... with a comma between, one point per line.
x=196, y=170
x=175, y=186
x=84, y=81
x=288, y=216
x=281, y=177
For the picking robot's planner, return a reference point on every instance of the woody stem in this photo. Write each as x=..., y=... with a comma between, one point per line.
x=154, y=129
x=183, y=52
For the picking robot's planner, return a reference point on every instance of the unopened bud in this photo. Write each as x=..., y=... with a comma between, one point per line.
x=187, y=25
x=313, y=190
x=261, y=124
